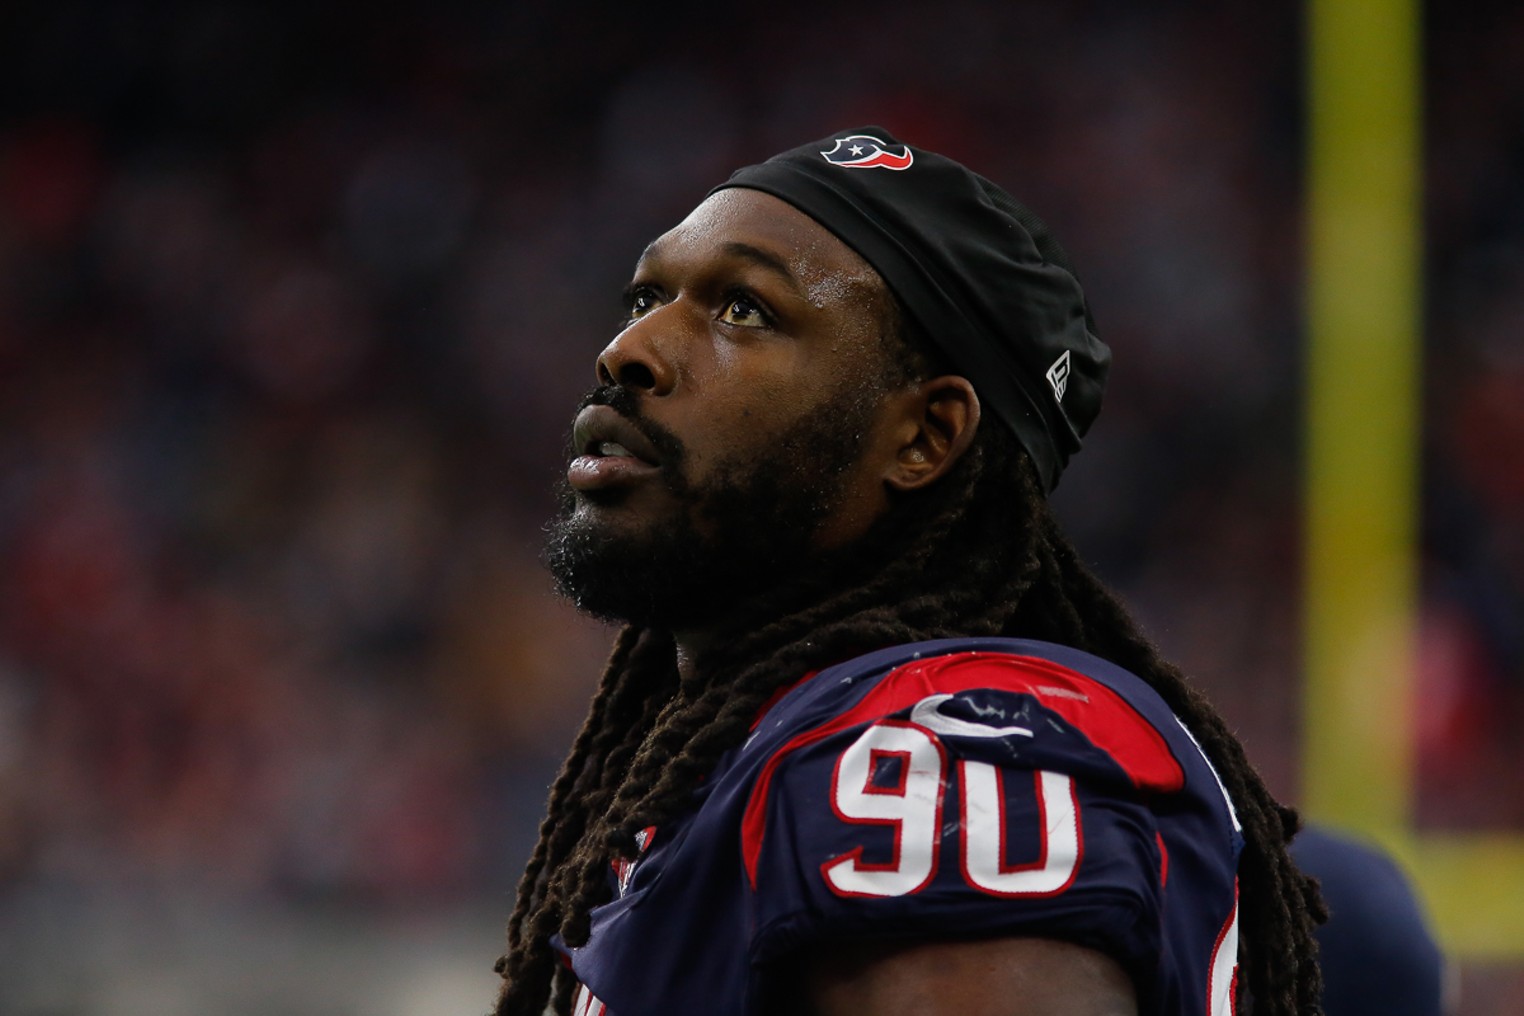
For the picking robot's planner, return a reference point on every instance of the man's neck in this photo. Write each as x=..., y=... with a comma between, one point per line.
x=826, y=573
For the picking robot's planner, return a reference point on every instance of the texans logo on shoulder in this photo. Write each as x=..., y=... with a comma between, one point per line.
x=864, y=151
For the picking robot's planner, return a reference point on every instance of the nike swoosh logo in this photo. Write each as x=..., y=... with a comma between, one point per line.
x=928, y=713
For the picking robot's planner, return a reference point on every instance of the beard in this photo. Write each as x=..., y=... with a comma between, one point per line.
x=745, y=531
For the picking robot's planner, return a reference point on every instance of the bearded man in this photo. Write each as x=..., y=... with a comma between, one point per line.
x=872, y=738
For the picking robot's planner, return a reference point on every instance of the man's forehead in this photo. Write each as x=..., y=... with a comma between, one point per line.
x=733, y=222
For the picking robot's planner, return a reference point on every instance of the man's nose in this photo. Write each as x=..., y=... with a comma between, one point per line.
x=641, y=357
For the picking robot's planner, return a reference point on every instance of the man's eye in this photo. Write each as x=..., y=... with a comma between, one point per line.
x=743, y=310
x=640, y=302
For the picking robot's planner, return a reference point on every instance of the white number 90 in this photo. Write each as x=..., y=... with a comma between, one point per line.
x=912, y=806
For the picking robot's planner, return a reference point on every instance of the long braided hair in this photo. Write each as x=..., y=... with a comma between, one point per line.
x=980, y=553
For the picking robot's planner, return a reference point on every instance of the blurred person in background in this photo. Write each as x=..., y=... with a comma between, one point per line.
x=1376, y=951
x=873, y=738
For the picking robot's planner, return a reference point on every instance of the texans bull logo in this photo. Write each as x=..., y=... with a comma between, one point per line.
x=863, y=151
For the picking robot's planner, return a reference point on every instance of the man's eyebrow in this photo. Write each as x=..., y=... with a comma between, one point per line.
x=765, y=259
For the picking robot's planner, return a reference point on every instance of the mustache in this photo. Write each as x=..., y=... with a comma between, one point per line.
x=626, y=403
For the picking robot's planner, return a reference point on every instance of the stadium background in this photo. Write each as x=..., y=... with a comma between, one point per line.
x=295, y=304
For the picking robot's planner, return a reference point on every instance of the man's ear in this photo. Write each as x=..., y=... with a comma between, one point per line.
x=941, y=417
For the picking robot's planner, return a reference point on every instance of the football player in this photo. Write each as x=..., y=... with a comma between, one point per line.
x=872, y=738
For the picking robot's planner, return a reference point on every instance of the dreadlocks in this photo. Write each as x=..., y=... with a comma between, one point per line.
x=979, y=554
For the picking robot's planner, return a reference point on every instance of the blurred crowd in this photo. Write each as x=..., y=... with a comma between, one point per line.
x=294, y=309
x=1471, y=642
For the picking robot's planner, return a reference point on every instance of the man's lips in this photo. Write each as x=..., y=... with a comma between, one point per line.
x=609, y=449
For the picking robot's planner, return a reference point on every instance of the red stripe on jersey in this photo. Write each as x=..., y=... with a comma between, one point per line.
x=1095, y=710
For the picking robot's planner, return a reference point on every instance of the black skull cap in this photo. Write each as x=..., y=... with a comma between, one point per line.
x=977, y=273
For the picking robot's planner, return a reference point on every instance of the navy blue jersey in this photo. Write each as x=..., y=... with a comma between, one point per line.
x=963, y=788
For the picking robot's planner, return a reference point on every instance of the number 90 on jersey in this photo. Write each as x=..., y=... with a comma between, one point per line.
x=895, y=776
